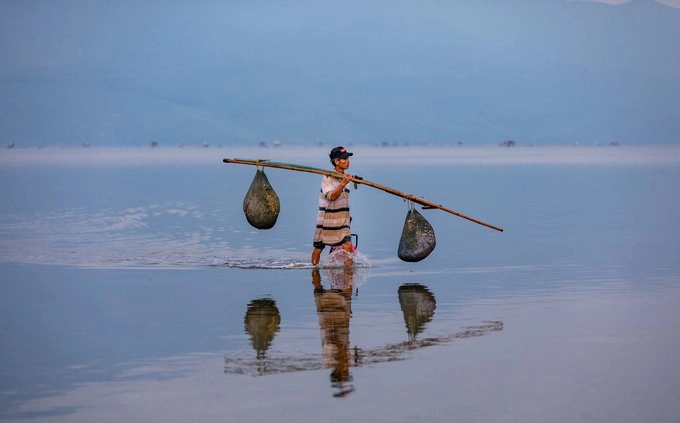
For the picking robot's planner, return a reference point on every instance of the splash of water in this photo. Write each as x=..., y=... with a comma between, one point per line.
x=337, y=259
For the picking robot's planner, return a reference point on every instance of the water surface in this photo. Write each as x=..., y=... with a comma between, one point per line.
x=133, y=289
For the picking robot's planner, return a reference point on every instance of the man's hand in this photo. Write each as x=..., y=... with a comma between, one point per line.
x=346, y=179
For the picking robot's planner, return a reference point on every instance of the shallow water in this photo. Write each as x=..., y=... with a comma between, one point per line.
x=135, y=290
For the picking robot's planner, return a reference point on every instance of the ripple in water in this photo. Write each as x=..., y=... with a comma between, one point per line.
x=334, y=260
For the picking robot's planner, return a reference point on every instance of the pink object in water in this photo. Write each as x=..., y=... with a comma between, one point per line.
x=339, y=247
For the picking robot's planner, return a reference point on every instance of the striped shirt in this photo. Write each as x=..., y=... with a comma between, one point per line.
x=333, y=219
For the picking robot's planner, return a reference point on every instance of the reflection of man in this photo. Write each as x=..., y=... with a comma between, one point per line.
x=334, y=309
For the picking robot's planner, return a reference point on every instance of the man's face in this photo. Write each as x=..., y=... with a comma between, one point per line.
x=342, y=163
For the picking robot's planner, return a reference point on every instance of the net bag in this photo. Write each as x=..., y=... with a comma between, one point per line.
x=261, y=203
x=417, y=238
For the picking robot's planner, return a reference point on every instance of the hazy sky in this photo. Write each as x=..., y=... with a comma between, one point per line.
x=671, y=3
x=537, y=71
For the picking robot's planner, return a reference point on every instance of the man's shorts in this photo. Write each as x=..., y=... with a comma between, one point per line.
x=319, y=244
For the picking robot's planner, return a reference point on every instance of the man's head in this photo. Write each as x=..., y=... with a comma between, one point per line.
x=339, y=152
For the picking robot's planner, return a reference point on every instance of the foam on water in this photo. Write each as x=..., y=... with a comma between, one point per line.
x=267, y=263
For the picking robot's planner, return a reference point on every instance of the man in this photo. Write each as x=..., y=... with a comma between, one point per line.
x=333, y=220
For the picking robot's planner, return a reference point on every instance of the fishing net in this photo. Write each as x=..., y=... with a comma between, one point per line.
x=261, y=203
x=337, y=259
x=417, y=238
x=338, y=275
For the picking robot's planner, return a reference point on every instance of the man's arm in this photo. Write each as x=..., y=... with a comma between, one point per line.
x=333, y=195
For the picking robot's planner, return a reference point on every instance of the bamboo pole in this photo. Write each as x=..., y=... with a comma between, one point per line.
x=358, y=180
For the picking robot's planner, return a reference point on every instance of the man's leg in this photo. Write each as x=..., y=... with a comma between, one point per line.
x=316, y=255
x=347, y=246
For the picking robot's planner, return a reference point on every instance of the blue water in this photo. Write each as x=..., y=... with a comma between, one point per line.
x=125, y=291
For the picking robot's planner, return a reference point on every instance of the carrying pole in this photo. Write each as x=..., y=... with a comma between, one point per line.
x=358, y=180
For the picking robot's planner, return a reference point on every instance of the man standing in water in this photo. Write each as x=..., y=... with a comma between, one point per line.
x=333, y=220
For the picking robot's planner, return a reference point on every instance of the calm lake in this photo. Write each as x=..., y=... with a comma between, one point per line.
x=133, y=289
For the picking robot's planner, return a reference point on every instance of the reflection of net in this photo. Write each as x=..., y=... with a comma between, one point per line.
x=418, y=305
x=261, y=322
x=239, y=362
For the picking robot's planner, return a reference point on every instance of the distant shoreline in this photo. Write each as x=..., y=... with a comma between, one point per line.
x=365, y=154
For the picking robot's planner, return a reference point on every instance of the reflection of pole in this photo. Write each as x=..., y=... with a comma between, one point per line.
x=333, y=309
x=261, y=322
x=417, y=304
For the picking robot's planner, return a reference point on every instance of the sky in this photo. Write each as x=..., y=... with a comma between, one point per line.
x=309, y=72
